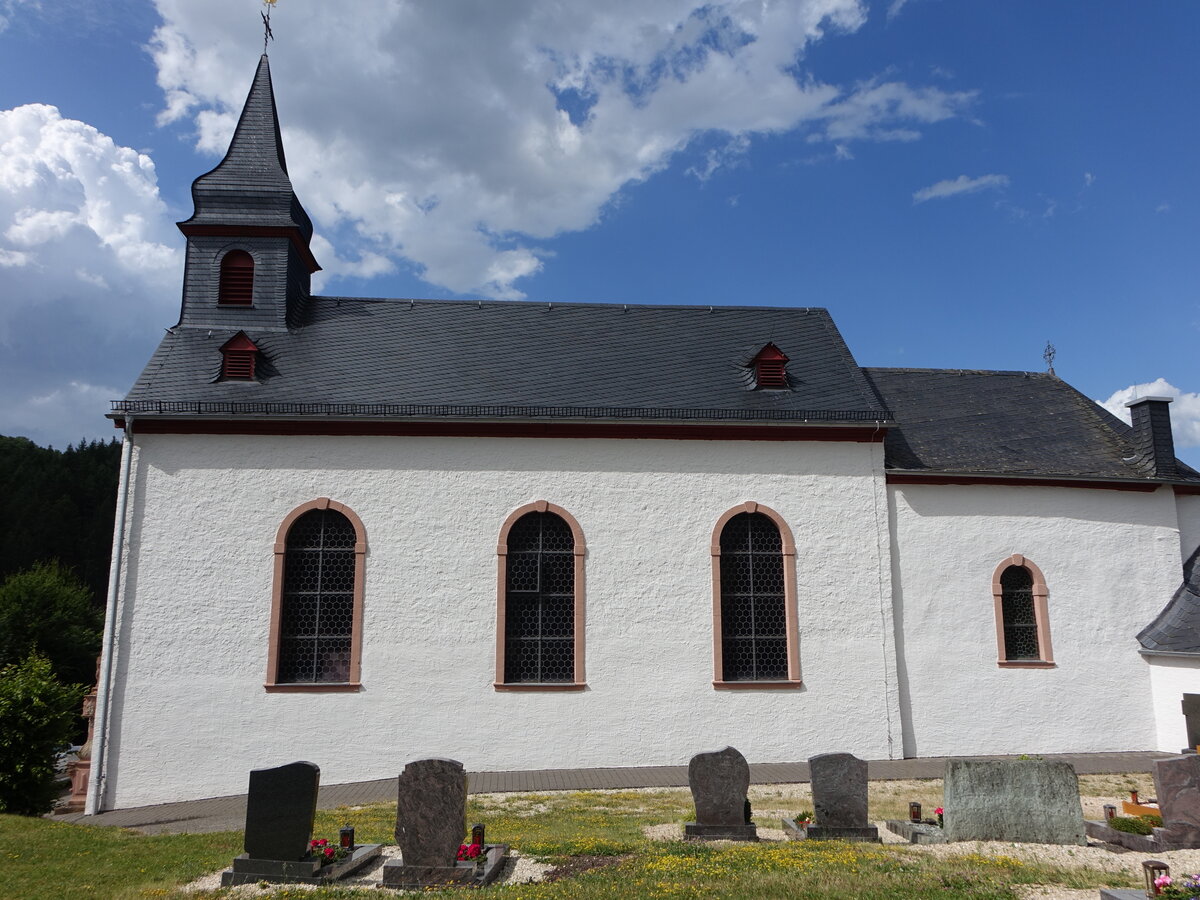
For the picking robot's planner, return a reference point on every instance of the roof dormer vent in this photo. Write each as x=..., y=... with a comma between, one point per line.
x=237, y=279
x=240, y=358
x=770, y=368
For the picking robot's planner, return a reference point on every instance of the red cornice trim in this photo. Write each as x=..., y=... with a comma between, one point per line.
x=292, y=234
x=895, y=478
x=1187, y=488
x=509, y=429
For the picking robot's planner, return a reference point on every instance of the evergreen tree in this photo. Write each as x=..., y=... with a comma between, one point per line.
x=46, y=610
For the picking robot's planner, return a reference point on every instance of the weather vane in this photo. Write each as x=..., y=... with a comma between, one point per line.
x=1048, y=355
x=266, y=17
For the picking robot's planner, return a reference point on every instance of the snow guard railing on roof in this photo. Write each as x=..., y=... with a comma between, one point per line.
x=414, y=410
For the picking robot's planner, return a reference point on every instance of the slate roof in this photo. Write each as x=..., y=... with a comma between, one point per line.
x=1004, y=423
x=1177, y=627
x=434, y=358
x=250, y=186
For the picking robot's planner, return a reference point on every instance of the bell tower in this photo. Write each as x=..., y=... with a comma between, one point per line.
x=248, y=259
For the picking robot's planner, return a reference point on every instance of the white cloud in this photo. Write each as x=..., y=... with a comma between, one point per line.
x=960, y=185
x=458, y=135
x=63, y=414
x=895, y=7
x=1185, y=408
x=81, y=224
x=1163, y=208
x=1088, y=179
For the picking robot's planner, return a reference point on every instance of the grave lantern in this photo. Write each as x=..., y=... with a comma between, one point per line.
x=1154, y=869
x=914, y=812
x=1110, y=812
x=477, y=835
x=346, y=837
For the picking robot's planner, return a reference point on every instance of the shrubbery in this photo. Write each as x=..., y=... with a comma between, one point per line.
x=1135, y=824
x=37, y=712
x=48, y=611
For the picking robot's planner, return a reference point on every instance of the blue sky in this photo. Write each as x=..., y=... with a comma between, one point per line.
x=958, y=182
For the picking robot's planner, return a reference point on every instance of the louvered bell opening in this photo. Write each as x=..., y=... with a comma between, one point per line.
x=771, y=374
x=237, y=279
x=239, y=364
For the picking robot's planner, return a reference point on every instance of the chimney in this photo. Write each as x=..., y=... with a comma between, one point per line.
x=1152, y=435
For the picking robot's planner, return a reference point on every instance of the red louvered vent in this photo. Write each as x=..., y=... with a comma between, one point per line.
x=240, y=357
x=770, y=368
x=237, y=279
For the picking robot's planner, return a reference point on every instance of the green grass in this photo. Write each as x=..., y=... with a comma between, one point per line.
x=53, y=860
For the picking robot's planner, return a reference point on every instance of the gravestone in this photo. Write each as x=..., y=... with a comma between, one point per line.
x=1177, y=783
x=281, y=805
x=1025, y=800
x=1191, y=716
x=839, y=789
x=431, y=821
x=719, y=781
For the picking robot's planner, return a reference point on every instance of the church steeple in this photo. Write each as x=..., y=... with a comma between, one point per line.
x=247, y=204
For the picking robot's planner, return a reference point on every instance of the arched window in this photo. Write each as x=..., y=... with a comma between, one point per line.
x=237, y=279
x=755, y=630
x=1022, y=615
x=539, y=633
x=316, y=618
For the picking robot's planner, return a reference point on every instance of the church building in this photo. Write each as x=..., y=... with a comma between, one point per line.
x=550, y=535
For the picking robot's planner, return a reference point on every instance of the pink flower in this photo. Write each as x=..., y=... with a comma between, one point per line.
x=938, y=811
x=1162, y=881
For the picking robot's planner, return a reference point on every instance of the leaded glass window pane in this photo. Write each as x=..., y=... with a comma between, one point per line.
x=1020, y=620
x=539, y=597
x=753, y=604
x=316, y=616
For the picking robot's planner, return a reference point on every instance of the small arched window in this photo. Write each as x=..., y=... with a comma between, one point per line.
x=316, y=621
x=540, y=611
x=1022, y=615
x=237, y=279
x=754, y=603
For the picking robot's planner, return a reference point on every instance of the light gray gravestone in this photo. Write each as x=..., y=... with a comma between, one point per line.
x=1023, y=800
x=431, y=811
x=839, y=789
x=1177, y=783
x=719, y=781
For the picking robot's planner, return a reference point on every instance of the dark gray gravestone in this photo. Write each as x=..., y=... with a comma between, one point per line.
x=431, y=811
x=719, y=782
x=280, y=808
x=839, y=789
x=1191, y=715
x=1025, y=800
x=1177, y=783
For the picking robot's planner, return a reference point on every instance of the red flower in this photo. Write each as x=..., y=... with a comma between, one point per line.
x=329, y=852
x=938, y=811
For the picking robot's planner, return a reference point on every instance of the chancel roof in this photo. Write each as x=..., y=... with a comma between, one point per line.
x=1177, y=628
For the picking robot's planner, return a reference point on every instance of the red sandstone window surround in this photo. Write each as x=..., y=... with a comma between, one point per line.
x=317, y=601
x=755, y=619
x=237, y=279
x=540, y=601
x=1020, y=602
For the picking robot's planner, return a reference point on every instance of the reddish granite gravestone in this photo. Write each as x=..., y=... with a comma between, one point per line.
x=719, y=782
x=431, y=811
x=1177, y=782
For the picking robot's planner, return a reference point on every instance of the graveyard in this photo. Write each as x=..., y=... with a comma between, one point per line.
x=616, y=843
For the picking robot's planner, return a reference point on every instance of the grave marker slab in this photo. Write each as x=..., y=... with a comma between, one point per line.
x=1177, y=782
x=839, y=789
x=719, y=781
x=281, y=806
x=1025, y=800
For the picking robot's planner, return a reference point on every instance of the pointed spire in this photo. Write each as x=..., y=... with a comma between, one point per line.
x=250, y=186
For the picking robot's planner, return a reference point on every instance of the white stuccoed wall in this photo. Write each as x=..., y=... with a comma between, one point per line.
x=1189, y=523
x=1111, y=563
x=1171, y=677
x=190, y=717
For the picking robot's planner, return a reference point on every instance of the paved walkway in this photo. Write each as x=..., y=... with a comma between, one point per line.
x=229, y=813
